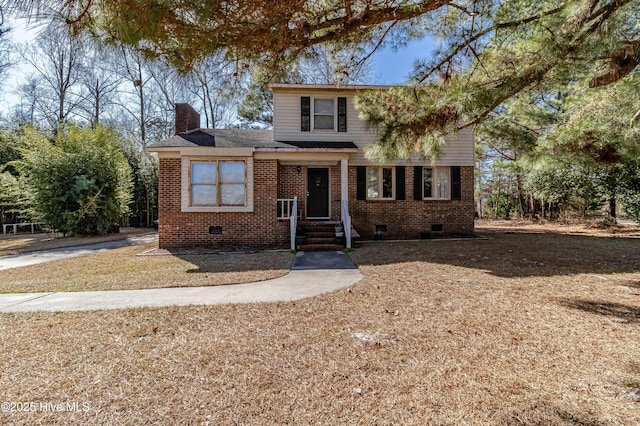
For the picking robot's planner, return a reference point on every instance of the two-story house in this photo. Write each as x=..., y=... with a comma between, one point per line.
x=238, y=187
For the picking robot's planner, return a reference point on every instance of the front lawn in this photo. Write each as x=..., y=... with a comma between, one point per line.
x=514, y=329
x=123, y=269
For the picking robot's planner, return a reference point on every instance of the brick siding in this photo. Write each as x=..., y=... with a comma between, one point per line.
x=405, y=219
x=259, y=228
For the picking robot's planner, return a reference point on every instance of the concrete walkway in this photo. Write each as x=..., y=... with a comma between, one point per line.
x=312, y=274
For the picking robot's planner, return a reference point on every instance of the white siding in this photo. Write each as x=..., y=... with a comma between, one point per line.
x=459, y=150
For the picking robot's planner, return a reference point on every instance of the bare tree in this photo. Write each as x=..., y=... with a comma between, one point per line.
x=5, y=46
x=130, y=65
x=57, y=58
x=168, y=87
x=32, y=107
x=214, y=81
x=98, y=85
x=147, y=94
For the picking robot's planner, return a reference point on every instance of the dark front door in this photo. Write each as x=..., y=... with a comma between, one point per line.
x=318, y=192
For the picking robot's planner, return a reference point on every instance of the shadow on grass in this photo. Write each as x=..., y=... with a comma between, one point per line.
x=515, y=254
x=631, y=283
x=237, y=262
x=630, y=314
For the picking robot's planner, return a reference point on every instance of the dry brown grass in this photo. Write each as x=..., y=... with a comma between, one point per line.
x=122, y=269
x=623, y=228
x=533, y=329
x=24, y=243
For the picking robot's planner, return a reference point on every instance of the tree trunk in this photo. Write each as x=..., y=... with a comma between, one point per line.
x=612, y=207
x=96, y=111
x=521, y=199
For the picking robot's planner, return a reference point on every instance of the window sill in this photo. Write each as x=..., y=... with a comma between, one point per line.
x=219, y=209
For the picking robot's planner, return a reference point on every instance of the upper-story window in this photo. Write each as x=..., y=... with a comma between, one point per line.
x=323, y=113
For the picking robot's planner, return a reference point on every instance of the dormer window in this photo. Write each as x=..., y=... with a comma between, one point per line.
x=322, y=114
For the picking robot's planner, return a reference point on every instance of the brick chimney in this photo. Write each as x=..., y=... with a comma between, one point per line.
x=187, y=118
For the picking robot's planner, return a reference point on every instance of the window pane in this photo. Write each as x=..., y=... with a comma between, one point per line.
x=232, y=194
x=323, y=106
x=323, y=122
x=203, y=195
x=232, y=171
x=372, y=182
x=203, y=173
x=387, y=183
x=443, y=183
x=427, y=179
x=323, y=114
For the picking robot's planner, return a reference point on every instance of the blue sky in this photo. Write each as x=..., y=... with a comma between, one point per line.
x=393, y=66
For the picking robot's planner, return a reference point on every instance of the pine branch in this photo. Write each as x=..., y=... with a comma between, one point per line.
x=468, y=42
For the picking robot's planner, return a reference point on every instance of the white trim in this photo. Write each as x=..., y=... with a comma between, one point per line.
x=344, y=180
x=434, y=183
x=209, y=151
x=301, y=157
x=381, y=183
x=313, y=114
x=325, y=163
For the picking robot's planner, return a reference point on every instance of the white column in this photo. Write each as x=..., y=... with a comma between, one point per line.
x=344, y=200
x=344, y=179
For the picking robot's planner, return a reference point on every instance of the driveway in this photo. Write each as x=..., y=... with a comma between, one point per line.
x=34, y=258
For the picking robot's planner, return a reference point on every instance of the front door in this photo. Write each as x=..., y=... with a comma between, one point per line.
x=318, y=192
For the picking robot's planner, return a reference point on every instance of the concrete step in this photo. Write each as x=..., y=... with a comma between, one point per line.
x=320, y=240
x=315, y=234
x=321, y=236
x=320, y=247
x=319, y=223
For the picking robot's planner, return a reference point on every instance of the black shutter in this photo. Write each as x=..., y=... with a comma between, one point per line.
x=417, y=182
x=342, y=114
x=361, y=183
x=305, y=114
x=400, y=183
x=456, y=183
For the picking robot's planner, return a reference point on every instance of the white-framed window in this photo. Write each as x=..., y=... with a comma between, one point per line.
x=324, y=114
x=381, y=183
x=436, y=183
x=223, y=184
